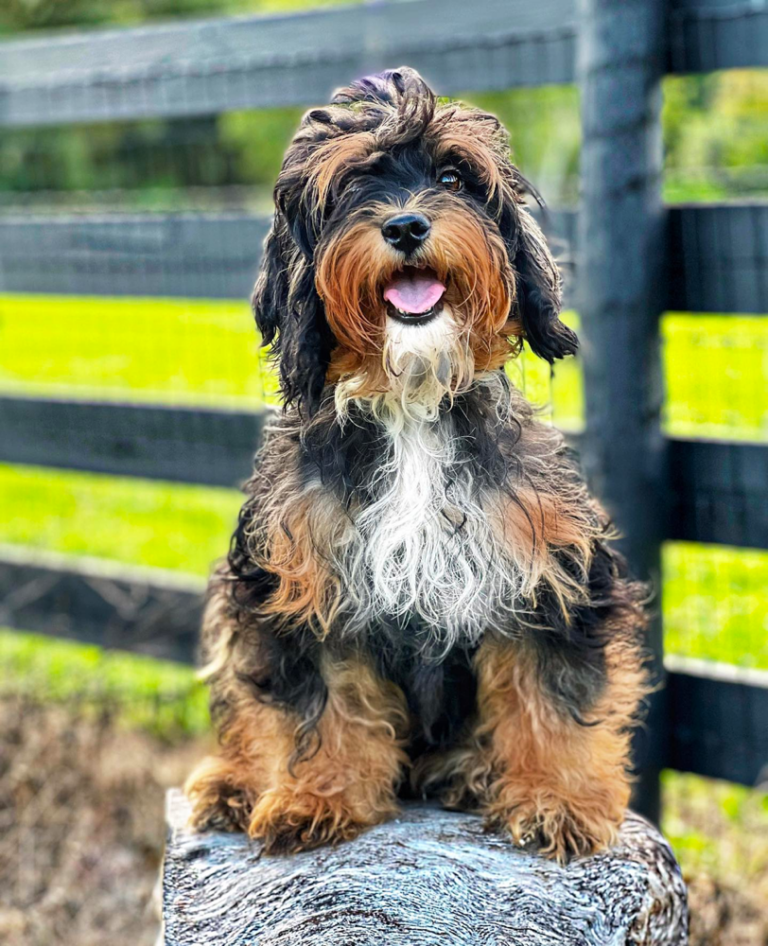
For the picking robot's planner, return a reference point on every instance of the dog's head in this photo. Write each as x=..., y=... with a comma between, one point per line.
x=401, y=259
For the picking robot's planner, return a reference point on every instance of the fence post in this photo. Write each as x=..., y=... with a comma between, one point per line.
x=621, y=270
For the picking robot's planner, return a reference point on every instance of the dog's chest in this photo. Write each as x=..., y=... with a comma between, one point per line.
x=424, y=544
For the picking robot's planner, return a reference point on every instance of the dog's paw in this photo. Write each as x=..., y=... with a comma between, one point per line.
x=287, y=821
x=228, y=811
x=219, y=802
x=554, y=827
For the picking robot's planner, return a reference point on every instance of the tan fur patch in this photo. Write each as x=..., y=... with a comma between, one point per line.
x=292, y=538
x=350, y=276
x=330, y=160
x=308, y=590
x=535, y=771
x=537, y=523
x=348, y=784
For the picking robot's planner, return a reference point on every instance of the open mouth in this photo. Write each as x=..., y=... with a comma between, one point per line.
x=414, y=295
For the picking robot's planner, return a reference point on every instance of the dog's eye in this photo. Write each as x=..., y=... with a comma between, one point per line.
x=450, y=180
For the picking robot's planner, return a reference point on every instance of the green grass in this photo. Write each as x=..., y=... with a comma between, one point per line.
x=715, y=603
x=716, y=376
x=207, y=352
x=162, y=697
x=140, y=522
x=184, y=351
x=558, y=391
x=718, y=830
x=176, y=350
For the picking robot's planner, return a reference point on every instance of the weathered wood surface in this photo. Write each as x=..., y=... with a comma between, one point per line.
x=430, y=877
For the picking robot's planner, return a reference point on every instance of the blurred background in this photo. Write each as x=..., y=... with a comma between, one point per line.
x=133, y=195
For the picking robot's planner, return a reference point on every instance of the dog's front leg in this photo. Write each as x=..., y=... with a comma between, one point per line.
x=348, y=781
x=554, y=780
x=296, y=790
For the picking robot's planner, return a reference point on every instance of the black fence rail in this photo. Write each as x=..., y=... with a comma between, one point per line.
x=717, y=713
x=221, y=65
x=717, y=491
x=709, y=720
x=213, y=66
x=716, y=255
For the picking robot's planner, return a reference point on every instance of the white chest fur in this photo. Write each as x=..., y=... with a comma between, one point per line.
x=427, y=545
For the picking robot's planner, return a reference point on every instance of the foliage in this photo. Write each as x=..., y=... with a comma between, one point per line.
x=545, y=135
x=20, y=15
x=716, y=135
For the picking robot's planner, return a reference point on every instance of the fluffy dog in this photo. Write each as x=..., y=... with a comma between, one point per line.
x=420, y=594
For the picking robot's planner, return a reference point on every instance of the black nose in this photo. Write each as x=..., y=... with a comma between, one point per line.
x=406, y=232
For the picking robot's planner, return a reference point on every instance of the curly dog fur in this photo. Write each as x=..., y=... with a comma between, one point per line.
x=421, y=595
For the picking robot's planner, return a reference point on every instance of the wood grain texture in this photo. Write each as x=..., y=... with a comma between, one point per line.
x=430, y=877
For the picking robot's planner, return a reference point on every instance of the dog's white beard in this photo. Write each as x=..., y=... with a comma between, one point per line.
x=425, y=546
x=423, y=364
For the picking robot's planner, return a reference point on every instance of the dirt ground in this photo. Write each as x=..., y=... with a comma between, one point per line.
x=81, y=834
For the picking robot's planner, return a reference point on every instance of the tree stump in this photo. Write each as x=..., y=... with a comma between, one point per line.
x=429, y=877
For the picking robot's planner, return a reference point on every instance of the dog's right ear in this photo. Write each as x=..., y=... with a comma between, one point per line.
x=270, y=294
x=539, y=292
x=291, y=318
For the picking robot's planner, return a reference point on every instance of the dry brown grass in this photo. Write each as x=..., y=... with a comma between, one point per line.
x=81, y=825
x=720, y=834
x=722, y=915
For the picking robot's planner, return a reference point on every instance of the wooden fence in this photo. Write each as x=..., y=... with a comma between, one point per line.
x=633, y=258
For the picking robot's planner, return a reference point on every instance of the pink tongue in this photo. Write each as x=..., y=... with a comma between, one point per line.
x=414, y=293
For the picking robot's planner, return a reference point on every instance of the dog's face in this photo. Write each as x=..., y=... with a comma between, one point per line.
x=401, y=259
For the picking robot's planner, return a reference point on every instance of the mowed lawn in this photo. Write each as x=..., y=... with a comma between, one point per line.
x=207, y=353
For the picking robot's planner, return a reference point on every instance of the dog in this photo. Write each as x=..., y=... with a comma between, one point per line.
x=421, y=597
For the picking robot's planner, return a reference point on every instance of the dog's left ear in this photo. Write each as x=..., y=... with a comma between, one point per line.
x=539, y=289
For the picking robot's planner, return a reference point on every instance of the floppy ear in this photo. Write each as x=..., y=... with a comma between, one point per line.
x=291, y=318
x=270, y=294
x=539, y=291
